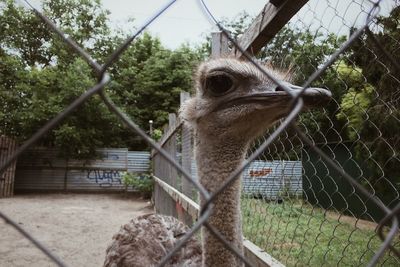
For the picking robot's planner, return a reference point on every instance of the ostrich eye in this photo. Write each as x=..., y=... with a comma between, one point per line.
x=219, y=84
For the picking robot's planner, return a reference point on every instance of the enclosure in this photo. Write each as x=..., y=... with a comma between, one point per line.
x=338, y=203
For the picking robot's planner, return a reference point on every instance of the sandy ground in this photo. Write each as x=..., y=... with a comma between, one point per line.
x=77, y=227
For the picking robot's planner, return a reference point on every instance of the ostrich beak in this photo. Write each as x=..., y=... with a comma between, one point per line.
x=312, y=97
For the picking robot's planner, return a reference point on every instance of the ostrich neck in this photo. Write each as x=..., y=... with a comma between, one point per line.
x=216, y=160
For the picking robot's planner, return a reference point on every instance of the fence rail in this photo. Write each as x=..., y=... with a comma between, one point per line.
x=186, y=206
x=357, y=156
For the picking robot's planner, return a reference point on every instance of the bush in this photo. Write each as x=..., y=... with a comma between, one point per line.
x=143, y=182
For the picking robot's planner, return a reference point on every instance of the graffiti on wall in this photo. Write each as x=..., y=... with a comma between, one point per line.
x=260, y=173
x=43, y=169
x=104, y=178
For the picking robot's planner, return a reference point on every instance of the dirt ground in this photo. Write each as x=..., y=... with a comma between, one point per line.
x=77, y=227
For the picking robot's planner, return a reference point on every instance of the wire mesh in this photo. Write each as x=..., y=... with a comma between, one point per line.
x=312, y=216
x=336, y=198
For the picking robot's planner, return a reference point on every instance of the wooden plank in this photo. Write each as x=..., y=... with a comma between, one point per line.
x=265, y=26
x=258, y=257
x=168, y=133
x=157, y=190
x=14, y=168
x=164, y=204
x=171, y=148
x=219, y=45
x=7, y=147
x=187, y=151
x=188, y=205
x=2, y=159
x=187, y=157
x=9, y=174
x=171, y=173
x=255, y=254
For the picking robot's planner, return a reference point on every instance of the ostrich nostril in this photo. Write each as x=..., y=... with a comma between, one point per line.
x=289, y=85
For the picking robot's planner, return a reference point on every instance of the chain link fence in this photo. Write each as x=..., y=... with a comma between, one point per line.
x=323, y=219
x=336, y=198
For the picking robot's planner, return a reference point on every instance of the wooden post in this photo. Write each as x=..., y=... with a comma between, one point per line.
x=219, y=45
x=7, y=147
x=187, y=159
x=157, y=194
x=164, y=204
x=268, y=22
x=171, y=148
x=187, y=153
x=171, y=171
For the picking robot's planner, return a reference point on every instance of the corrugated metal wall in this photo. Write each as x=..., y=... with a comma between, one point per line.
x=270, y=179
x=138, y=161
x=273, y=179
x=41, y=169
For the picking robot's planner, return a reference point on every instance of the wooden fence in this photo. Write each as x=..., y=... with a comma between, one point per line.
x=175, y=133
x=175, y=196
x=7, y=147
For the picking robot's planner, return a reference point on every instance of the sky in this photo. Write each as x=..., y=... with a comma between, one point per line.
x=185, y=22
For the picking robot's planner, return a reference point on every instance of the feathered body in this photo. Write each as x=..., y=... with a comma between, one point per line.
x=147, y=238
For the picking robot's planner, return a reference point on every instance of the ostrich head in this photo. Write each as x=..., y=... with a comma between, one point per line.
x=236, y=100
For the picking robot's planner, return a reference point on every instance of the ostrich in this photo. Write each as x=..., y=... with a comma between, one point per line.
x=234, y=103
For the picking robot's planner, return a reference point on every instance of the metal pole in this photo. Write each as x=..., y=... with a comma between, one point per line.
x=151, y=127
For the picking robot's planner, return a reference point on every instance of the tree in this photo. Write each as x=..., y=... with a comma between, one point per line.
x=356, y=101
x=378, y=141
x=148, y=79
x=40, y=76
x=33, y=41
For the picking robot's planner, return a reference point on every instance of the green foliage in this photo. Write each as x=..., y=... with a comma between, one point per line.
x=353, y=110
x=144, y=183
x=40, y=76
x=301, y=51
x=365, y=108
x=157, y=134
x=148, y=79
x=285, y=193
x=356, y=101
x=155, y=77
x=379, y=141
x=25, y=35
